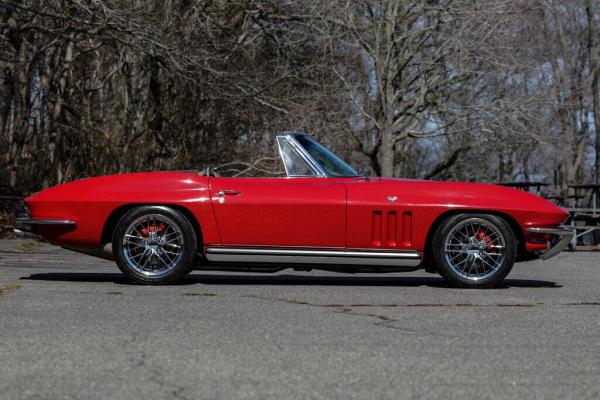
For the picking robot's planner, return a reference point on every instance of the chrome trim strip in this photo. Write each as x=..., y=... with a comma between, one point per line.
x=561, y=230
x=313, y=256
x=313, y=252
x=565, y=233
x=29, y=221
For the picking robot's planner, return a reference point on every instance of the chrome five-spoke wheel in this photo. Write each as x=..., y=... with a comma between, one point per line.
x=154, y=244
x=474, y=250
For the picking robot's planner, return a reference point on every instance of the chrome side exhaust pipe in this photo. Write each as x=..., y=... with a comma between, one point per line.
x=107, y=251
x=21, y=234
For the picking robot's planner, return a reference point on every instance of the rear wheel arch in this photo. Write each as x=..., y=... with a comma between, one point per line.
x=115, y=216
x=428, y=253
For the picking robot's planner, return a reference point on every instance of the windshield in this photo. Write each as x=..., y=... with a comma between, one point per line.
x=326, y=159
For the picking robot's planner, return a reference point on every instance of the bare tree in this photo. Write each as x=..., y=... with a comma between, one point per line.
x=443, y=89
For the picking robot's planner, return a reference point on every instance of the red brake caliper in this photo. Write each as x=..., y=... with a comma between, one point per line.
x=144, y=231
x=481, y=235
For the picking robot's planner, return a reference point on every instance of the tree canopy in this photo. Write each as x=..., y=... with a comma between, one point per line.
x=474, y=90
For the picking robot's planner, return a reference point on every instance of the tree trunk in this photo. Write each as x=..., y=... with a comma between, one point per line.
x=386, y=150
x=595, y=75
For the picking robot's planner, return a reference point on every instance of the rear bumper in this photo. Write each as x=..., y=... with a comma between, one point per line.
x=24, y=234
x=25, y=226
x=563, y=236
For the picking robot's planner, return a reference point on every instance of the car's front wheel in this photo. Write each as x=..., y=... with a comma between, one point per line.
x=154, y=244
x=474, y=250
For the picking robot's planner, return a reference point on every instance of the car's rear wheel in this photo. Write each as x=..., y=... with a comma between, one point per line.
x=474, y=250
x=154, y=244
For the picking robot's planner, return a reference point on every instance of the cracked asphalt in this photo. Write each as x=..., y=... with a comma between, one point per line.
x=72, y=327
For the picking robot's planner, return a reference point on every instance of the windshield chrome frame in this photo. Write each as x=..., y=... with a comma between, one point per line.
x=314, y=166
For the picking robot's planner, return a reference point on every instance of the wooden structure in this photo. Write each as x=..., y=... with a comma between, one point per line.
x=583, y=205
x=528, y=186
x=585, y=216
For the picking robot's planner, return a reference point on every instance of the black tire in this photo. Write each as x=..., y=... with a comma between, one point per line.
x=474, y=253
x=174, y=258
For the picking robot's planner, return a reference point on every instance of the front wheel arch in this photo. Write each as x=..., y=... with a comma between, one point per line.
x=462, y=233
x=428, y=261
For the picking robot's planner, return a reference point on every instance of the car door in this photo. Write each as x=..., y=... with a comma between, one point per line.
x=280, y=212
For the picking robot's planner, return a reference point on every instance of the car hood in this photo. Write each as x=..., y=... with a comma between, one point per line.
x=473, y=195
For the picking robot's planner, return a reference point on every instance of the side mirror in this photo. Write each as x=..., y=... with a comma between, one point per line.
x=363, y=174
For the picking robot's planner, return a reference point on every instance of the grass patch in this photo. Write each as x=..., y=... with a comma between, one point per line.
x=8, y=289
x=31, y=246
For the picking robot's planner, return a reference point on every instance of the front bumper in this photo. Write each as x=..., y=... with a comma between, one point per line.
x=562, y=238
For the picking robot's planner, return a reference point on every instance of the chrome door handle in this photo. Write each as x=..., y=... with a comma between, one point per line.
x=228, y=192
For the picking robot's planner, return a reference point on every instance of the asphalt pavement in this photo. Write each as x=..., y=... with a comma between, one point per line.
x=71, y=327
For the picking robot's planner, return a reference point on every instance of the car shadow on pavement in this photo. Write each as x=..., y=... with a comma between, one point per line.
x=238, y=279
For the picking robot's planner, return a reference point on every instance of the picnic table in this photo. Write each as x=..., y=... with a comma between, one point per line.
x=585, y=216
x=564, y=200
x=526, y=185
x=591, y=191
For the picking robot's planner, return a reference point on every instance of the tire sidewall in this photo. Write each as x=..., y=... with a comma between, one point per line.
x=439, y=254
x=189, y=239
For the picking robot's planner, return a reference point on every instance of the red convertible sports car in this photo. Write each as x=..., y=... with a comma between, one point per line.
x=158, y=226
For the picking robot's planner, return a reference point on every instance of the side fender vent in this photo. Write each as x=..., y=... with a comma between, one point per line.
x=406, y=229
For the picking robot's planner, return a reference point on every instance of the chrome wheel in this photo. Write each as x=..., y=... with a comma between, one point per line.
x=475, y=249
x=153, y=245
